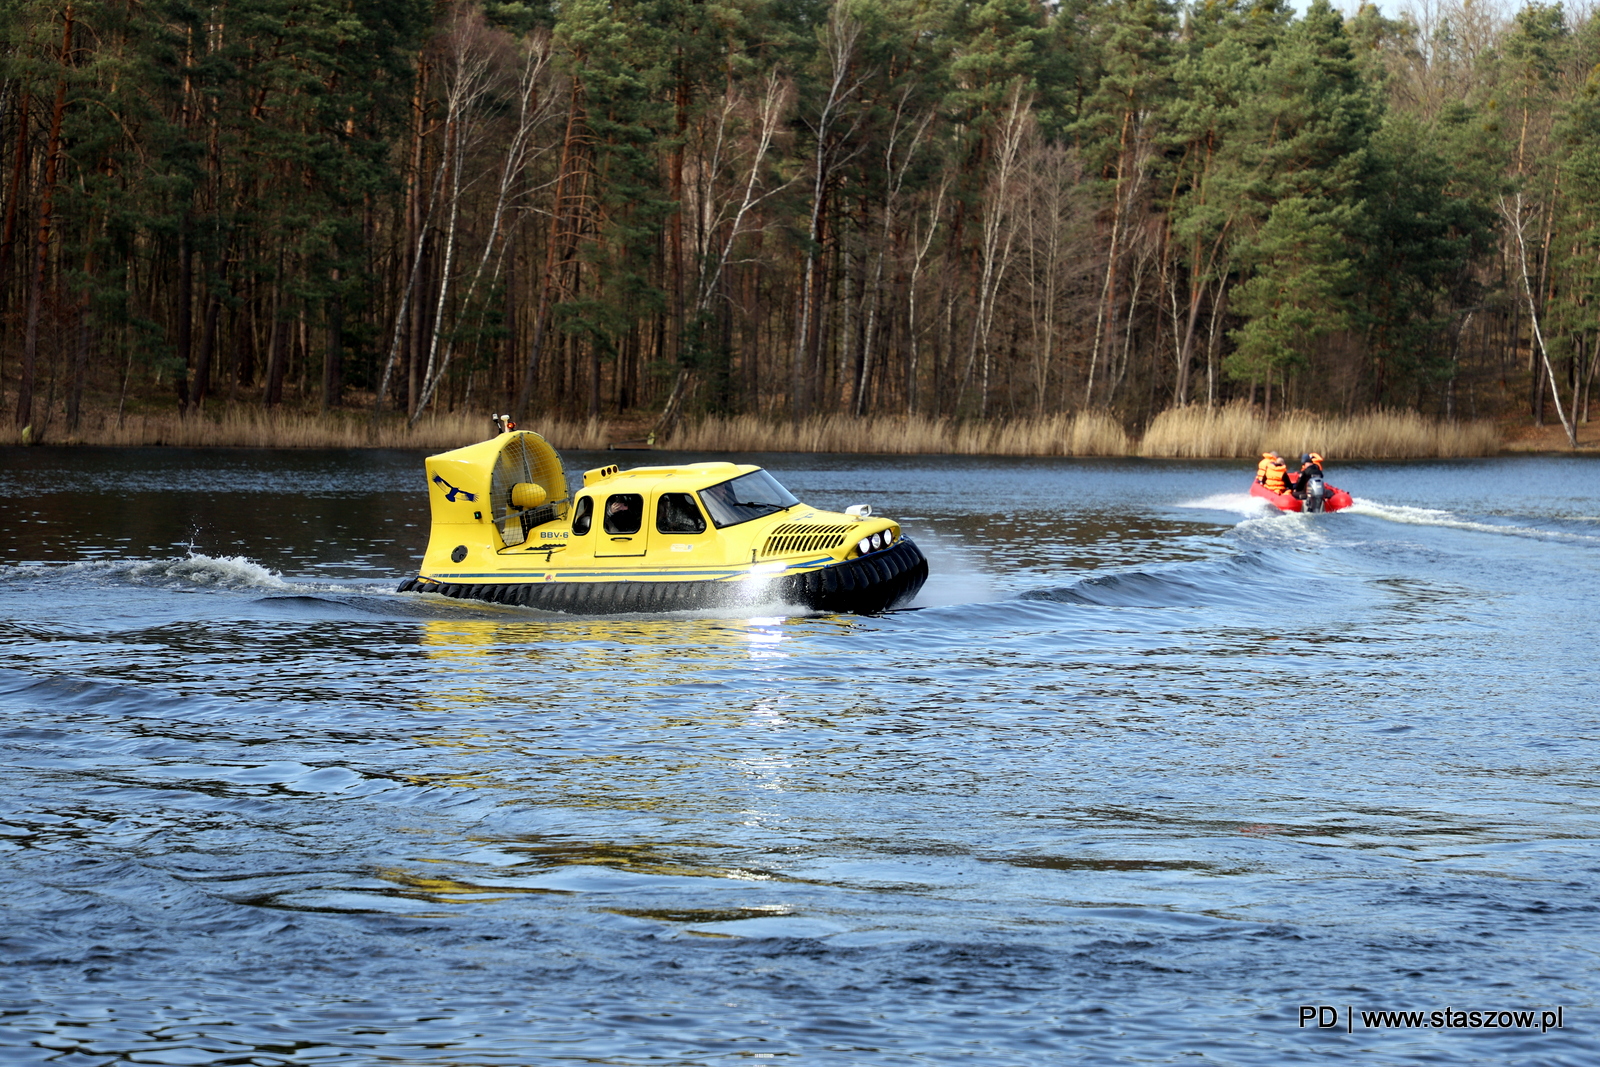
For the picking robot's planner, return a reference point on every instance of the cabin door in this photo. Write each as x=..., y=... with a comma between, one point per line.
x=623, y=531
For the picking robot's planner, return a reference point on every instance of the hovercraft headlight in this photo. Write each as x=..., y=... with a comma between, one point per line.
x=864, y=545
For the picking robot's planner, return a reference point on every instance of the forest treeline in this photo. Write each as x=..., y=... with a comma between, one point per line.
x=795, y=208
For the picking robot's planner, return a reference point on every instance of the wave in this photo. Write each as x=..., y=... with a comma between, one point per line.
x=1253, y=509
x=1415, y=516
x=1238, y=503
x=1234, y=580
x=194, y=571
x=71, y=692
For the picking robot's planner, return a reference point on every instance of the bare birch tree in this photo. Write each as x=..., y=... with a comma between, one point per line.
x=923, y=244
x=998, y=235
x=908, y=132
x=473, y=80
x=1053, y=217
x=833, y=128
x=1517, y=218
x=741, y=139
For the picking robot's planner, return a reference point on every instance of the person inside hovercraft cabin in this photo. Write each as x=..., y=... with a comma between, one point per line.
x=1273, y=473
x=1310, y=466
x=624, y=513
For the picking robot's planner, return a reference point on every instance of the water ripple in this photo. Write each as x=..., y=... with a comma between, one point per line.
x=1145, y=770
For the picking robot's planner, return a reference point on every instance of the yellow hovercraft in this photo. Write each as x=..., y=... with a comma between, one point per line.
x=507, y=529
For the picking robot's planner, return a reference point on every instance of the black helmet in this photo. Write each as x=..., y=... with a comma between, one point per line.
x=1305, y=457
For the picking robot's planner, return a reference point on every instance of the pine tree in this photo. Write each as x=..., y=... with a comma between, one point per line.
x=1210, y=212
x=1310, y=118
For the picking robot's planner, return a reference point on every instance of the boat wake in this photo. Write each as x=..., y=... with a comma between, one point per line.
x=1132, y=589
x=194, y=571
x=277, y=596
x=1252, y=509
x=1235, y=580
x=1414, y=516
x=1237, y=503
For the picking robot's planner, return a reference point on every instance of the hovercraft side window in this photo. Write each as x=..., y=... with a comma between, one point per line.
x=676, y=513
x=624, y=513
x=583, y=515
x=749, y=496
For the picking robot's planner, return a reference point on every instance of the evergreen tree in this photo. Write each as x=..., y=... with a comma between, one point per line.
x=1310, y=122
x=1212, y=160
x=1120, y=134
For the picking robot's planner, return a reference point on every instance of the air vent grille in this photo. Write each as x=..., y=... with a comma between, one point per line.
x=795, y=537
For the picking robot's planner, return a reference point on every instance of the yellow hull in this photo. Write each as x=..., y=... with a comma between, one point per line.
x=865, y=585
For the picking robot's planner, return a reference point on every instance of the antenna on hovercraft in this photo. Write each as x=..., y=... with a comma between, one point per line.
x=502, y=424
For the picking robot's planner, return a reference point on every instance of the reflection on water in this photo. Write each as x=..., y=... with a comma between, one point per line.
x=1142, y=771
x=664, y=650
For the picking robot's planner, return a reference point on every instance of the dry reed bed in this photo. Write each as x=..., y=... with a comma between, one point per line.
x=1231, y=432
x=1237, y=432
x=253, y=428
x=1085, y=434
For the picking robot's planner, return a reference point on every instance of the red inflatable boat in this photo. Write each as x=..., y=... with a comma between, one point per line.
x=1333, y=500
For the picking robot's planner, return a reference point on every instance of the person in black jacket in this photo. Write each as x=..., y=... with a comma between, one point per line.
x=1310, y=466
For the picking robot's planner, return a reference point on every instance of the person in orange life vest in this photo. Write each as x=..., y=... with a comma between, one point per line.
x=1261, y=468
x=1276, y=476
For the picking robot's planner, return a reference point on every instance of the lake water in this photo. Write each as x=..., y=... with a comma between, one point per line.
x=1143, y=773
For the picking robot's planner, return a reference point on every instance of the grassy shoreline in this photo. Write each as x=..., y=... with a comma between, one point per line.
x=1233, y=432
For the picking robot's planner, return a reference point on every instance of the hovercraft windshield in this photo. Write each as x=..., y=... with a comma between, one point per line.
x=749, y=496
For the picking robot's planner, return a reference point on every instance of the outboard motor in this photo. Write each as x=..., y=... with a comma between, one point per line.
x=1316, y=493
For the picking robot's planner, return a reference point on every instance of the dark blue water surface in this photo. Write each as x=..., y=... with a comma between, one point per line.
x=1144, y=771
